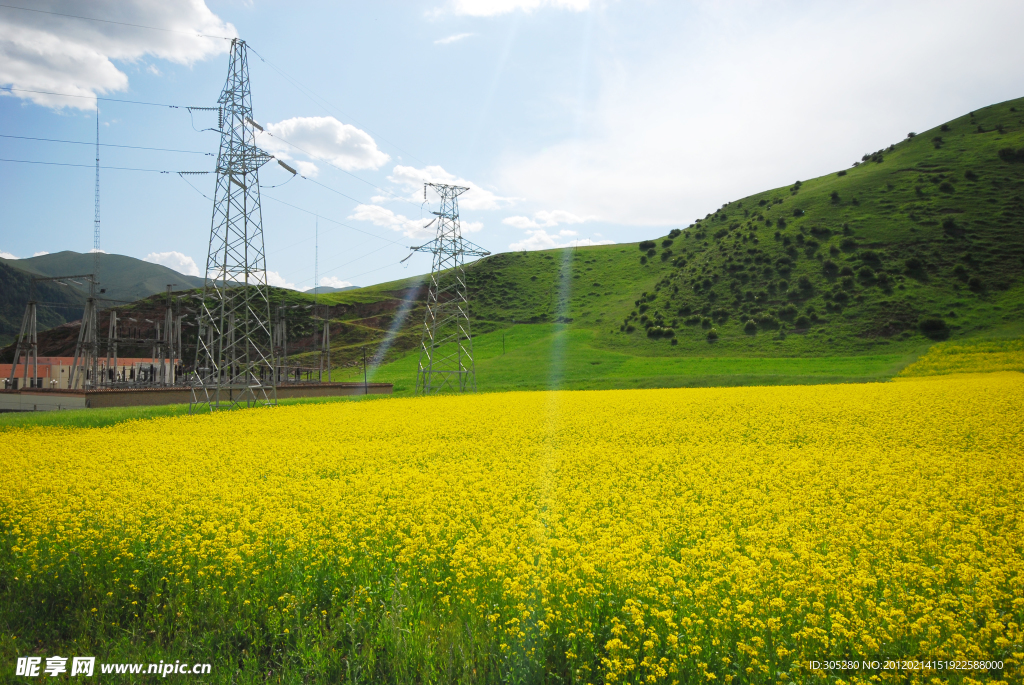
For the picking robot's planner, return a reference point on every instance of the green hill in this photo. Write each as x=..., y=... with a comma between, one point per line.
x=124, y=278
x=64, y=302
x=843, y=277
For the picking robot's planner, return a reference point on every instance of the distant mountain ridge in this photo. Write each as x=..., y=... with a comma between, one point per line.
x=123, y=278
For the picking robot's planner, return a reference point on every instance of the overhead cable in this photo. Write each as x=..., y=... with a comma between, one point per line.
x=119, y=23
x=93, y=166
x=9, y=89
x=131, y=147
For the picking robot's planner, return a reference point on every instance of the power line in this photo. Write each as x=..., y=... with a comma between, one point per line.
x=93, y=97
x=130, y=147
x=339, y=223
x=91, y=166
x=119, y=23
x=331, y=164
x=328, y=106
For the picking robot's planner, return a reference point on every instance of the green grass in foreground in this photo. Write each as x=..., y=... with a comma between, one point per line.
x=108, y=416
x=556, y=356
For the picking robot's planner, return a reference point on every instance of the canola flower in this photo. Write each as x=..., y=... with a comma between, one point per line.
x=969, y=356
x=641, y=536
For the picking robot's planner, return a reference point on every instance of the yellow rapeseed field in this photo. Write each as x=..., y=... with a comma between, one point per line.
x=969, y=356
x=641, y=536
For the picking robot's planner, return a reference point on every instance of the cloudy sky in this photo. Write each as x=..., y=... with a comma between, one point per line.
x=572, y=121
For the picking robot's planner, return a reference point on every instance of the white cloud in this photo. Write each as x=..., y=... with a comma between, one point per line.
x=382, y=216
x=95, y=249
x=59, y=54
x=276, y=279
x=545, y=219
x=40, y=253
x=758, y=97
x=542, y=240
x=181, y=263
x=6, y=255
x=477, y=198
x=334, y=282
x=453, y=39
x=326, y=138
x=488, y=8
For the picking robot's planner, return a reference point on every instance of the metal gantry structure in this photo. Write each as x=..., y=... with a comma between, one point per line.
x=446, y=347
x=235, y=347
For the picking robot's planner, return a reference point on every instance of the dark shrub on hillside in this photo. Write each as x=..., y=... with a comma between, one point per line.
x=883, y=280
x=781, y=223
x=870, y=256
x=802, y=322
x=788, y=312
x=750, y=327
x=651, y=252
x=1008, y=154
x=643, y=259
x=970, y=175
x=946, y=187
x=933, y=327
x=804, y=283
x=829, y=268
x=865, y=273
x=674, y=233
x=848, y=244
x=835, y=197
x=667, y=242
x=646, y=245
x=798, y=212
x=846, y=271
x=944, y=127
x=841, y=173
x=911, y=134
x=960, y=272
x=665, y=255
x=847, y=282
x=975, y=284
x=913, y=264
x=659, y=332
x=712, y=335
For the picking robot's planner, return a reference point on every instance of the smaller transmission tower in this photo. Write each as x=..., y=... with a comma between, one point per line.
x=234, y=350
x=446, y=348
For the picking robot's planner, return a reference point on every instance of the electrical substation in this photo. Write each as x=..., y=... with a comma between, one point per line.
x=234, y=342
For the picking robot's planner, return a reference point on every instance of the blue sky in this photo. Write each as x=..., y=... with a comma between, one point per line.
x=572, y=120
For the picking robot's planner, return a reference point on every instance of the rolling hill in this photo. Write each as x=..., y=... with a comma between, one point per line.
x=919, y=241
x=125, y=279
x=846, y=277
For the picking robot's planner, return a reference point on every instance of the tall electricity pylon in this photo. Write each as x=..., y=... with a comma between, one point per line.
x=234, y=350
x=446, y=349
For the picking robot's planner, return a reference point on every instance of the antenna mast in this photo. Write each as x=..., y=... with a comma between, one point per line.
x=96, y=211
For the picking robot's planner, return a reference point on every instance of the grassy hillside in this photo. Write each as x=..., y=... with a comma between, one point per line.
x=923, y=237
x=846, y=277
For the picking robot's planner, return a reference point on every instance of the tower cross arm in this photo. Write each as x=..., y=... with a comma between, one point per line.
x=468, y=248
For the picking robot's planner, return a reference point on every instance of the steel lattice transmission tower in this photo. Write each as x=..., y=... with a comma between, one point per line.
x=446, y=349
x=234, y=350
